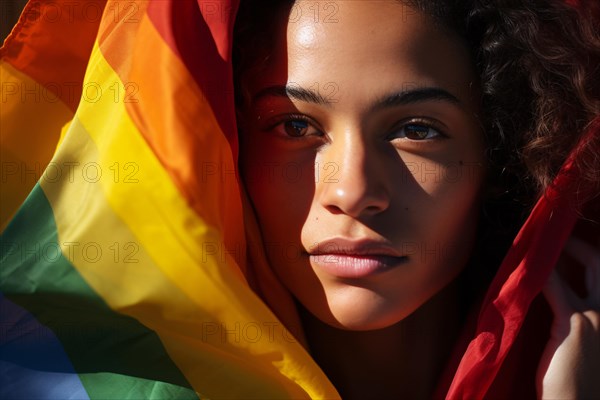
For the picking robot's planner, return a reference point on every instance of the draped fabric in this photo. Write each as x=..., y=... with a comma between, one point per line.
x=131, y=264
x=123, y=271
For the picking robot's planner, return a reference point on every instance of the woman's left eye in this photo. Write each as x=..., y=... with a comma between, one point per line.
x=416, y=131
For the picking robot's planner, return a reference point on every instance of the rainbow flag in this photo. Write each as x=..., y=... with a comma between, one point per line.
x=123, y=271
x=132, y=267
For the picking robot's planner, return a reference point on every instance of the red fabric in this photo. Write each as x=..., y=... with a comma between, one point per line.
x=55, y=33
x=502, y=347
x=203, y=19
x=500, y=360
x=519, y=280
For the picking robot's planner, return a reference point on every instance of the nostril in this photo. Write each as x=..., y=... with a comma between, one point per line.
x=374, y=209
x=334, y=209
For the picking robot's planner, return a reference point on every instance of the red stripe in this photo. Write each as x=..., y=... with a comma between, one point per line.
x=522, y=275
x=200, y=33
x=52, y=42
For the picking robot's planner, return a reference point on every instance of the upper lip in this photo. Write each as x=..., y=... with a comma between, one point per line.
x=356, y=247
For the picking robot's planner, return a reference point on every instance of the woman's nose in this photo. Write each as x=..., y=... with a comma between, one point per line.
x=359, y=185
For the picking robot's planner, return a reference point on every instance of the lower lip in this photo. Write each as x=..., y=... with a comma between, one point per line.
x=355, y=266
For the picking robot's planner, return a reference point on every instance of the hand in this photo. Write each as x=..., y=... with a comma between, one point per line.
x=570, y=365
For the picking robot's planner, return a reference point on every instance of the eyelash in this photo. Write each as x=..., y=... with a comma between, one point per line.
x=421, y=122
x=293, y=117
x=418, y=121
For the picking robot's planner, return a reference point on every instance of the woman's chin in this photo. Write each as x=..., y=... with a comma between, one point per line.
x=366, y=324
x=362, y=314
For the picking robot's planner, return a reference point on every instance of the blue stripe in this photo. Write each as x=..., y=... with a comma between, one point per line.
x=30, y=352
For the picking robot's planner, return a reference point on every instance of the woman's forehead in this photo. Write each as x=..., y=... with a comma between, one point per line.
x=366, y=48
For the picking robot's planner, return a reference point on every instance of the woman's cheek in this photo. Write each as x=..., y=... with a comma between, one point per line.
x=281, y=192
x=454, y=211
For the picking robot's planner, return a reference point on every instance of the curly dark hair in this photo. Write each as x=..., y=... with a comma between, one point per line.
x=539, y=65
x=539, y=68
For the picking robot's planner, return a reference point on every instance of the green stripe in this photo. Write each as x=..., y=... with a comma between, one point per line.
x=115, y=356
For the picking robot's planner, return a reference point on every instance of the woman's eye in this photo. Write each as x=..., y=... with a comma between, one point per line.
x=416, y=132
x=296, y=128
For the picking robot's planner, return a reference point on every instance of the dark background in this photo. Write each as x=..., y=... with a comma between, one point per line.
x=9, y=14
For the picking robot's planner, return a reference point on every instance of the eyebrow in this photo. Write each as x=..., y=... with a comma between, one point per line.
x=415, y=96
x=401, y=98
x=294, y=92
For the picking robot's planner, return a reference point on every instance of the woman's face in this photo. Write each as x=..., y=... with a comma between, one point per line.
x=363, y=158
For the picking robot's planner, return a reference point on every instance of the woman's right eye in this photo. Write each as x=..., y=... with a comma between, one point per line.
x=295, y=128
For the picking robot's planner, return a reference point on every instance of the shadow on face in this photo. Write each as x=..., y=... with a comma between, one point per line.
x=363, y=157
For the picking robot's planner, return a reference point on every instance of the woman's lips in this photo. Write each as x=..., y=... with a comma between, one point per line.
x=355, y=265
x=345, y=258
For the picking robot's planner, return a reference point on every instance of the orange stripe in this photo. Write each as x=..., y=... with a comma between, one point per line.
x=171, y=111
x=117, y=34
x=52, y=42
x=202, y=39
x=178, y=147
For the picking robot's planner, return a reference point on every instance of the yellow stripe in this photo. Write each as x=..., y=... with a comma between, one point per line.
x=222, y=337
x=116, y=264
x=31, y=118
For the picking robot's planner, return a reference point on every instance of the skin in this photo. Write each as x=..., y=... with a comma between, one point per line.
x=362, y=178
x=323, y=157
x=358, y=177
x=569, y=366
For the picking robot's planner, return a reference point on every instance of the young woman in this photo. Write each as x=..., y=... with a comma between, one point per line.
x=391, y=151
